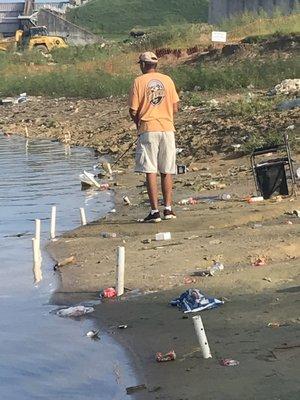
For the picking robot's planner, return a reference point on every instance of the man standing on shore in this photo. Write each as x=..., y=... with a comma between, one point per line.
x=153, y=103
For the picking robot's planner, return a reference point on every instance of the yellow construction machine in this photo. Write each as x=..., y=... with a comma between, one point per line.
x=33, y=38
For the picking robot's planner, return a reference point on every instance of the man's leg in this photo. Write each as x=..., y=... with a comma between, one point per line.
x=167, y=188
x=151, y=180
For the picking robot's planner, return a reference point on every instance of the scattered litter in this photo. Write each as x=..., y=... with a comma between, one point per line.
x=88, y=179
x=93, y=334
x=170, y=356
x=215, y=268
x=256, y=226
x=179, y=150
x=297, y=213
x=255, y=199
x=228, y=362
x=190, y=200
x=193, y=300
x=288, y=86
x=188, y=280
x=66, y=261
x=181, y=169
x=133, y=389
x=274, y=325
x=146, y=241
x=267, y=279
x=163, y=236
x=122, y=326
x=225, y=196
x=109, y=293
x=260, y=262
x=108, y=235
x=289, y=222
x=126, y=200
x=76, y=311
x=113, y=211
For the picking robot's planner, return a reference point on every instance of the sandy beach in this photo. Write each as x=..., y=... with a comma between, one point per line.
x=258, y=324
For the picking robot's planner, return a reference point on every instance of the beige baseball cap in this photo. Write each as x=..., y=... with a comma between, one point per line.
x=149, y=57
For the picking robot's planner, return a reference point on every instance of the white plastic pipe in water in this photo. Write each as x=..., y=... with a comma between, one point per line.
x=120, y=270
x=82, y=216
x=38, y=233
x=36, y=251
x=53, y=222
x=200, y=332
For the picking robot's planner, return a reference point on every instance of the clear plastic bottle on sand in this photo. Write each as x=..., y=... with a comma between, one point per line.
x=225, y=196
x=216, y=267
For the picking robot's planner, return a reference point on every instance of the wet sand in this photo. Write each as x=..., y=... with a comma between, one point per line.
x=234, y=232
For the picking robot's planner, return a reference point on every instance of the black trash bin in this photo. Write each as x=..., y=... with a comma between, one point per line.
x=271, y=179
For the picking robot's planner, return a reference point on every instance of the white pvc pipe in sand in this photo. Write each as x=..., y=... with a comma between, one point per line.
x=82, y=216
x=120, y=270
x=53, y=222
x=200, y=332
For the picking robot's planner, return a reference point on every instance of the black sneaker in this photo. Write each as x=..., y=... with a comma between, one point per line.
x=169, y=214
x=151, y=218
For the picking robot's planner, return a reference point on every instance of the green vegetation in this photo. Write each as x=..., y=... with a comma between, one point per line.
x=119, y=16
x=67, y=82
x=270, y=138
x=260, y=74
x=250, y=24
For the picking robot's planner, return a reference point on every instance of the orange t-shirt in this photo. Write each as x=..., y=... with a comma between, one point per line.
x=152, y=97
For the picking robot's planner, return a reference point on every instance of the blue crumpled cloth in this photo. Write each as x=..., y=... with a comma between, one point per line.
x=193, y=300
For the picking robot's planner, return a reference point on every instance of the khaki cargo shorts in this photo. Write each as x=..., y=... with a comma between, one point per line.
x=156, y=152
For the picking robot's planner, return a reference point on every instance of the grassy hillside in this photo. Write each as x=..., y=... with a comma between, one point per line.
x=120, y=16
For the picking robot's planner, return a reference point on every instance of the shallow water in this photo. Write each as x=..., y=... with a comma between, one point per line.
x=44, y=356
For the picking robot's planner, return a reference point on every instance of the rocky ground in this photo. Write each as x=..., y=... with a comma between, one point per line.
x=207, y=129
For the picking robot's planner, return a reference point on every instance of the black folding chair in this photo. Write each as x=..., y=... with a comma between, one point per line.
x=270, y=175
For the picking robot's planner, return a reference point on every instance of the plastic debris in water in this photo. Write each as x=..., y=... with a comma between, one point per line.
x=77, y=311
x=93, y=334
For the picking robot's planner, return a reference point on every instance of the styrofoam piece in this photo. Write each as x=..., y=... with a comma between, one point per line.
x=163, y=236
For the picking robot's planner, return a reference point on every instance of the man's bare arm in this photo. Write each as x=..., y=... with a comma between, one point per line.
x=134, y=116
x=175, y=107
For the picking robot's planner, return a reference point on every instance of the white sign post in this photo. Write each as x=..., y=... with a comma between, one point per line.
x=220, y=37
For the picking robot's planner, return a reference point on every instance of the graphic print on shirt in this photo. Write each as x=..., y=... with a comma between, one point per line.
x=155, y=92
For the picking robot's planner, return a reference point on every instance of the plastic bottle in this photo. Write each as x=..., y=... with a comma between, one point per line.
x=225, y=196
x=216, y=267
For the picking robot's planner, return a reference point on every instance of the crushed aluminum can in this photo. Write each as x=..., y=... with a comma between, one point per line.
x=160, y=357
x=228, y=362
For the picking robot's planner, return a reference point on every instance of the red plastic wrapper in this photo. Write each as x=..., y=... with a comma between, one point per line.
x=228, y=362
x=171, y=356
x=109, y=293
